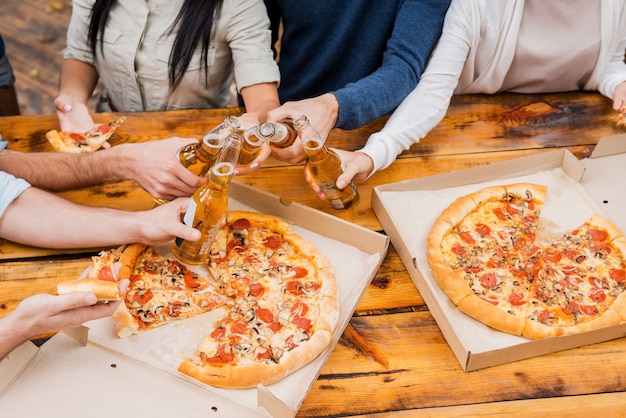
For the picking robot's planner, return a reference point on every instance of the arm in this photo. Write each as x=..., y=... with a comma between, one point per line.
x=77, y=82
x=44, y=219
x=42, y=313
x=425, y=106
x=416, y=31
x=152, y=164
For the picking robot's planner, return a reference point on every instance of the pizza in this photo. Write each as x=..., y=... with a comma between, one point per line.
x=283, y=304
x=484, y=253
x=277, y=291
x=101, y=279
x=74, y=142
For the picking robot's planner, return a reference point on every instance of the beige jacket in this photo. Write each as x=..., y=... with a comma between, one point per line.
x=134, y=63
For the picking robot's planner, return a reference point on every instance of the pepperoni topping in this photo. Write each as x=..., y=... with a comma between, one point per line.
x=265, y=354
x=224, y=355
x=618, y=275
x=143, y=297
x=516, y=299
x=589, y=309
x=302, y=322
x=238, y=328
x=298, y=272
x=265, y=315
x=104, y=128
x=571, y=308
x=499, y=212
x=240, y=224
x=299, y=308
x=106, y=274
x=273, y=242
x=543, y=316
x=218, y=333
x=488, y=280
x=255, y=290
x=76, y=137
x=175, y=308
x=598, y=296
x=191, y=280
x=467, y=237
x=458, y=249
x=482, y=229
x=598, y=235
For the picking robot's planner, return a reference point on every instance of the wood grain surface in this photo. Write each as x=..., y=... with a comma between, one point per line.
x=394, y=357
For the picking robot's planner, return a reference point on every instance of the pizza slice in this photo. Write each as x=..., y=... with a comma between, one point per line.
x=161, y=290
x=74, y=142
x=102, y=277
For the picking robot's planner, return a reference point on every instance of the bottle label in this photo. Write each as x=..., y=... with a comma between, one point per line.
x=189, y=215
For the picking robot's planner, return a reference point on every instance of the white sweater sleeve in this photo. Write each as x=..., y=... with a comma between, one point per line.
x=427, y=104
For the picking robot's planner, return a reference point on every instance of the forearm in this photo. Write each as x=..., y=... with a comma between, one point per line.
x=12, y=334
x=77, y=80
x=260, y=99
x=66, y=171
x=44, y=219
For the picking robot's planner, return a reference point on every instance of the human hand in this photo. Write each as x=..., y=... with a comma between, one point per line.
x=321, y=111
x=619, y=96
x=43, y=313
x=356, y=166
x=163, y=223
x=73, y=116
x=265, y=152
x=155, y=167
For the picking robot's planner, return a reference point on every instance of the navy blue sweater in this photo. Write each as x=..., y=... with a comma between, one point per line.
x=369, y=53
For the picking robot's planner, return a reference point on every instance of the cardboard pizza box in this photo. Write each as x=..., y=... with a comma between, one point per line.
x=576, y=190
x=93, y=373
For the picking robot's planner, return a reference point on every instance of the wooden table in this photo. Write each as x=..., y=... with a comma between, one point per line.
x=422, y=376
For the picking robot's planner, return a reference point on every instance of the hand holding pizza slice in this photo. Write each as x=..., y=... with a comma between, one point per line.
x=75, y=142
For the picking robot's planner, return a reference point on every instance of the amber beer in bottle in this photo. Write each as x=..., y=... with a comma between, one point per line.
x=208, y=205
x=253, y=140
x=282, y=134
x=325, y=167
x=199, y=157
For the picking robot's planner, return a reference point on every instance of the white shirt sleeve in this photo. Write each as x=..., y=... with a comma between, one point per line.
x=10, y=188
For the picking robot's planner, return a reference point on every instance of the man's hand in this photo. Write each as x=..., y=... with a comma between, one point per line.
x=155, y=167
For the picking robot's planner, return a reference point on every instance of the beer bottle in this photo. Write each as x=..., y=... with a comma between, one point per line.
x=325, y=166
x=208, y=205
x=253, y=140
x=282, y=134
x=199, y=157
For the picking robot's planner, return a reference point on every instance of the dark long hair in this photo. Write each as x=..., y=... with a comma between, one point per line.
x=194, y=24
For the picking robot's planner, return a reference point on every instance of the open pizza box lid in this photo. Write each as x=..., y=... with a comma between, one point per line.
x=78, y=373
x=576, y=190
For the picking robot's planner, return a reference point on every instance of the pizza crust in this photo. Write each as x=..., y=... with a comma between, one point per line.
x=104, y=290
x=251, y=375
x=491, y=315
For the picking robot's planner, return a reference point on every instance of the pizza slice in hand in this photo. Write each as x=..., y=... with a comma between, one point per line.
x=74, y=142
x=103, y=276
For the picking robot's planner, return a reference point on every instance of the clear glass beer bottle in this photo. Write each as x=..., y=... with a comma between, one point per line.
x=208, y=205
x=199, y=157
x=253, y=140
x=325, y=167
x=282, y=134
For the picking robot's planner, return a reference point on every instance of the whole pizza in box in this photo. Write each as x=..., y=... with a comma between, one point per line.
x=484, y=253
x=278, y=291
